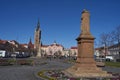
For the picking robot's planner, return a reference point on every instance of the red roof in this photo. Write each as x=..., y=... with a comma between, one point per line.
x=3, y=41
x=45, y=45
x=99, y=48
x=73, y=47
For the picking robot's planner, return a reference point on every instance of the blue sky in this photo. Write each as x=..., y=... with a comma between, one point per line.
x=59, y=19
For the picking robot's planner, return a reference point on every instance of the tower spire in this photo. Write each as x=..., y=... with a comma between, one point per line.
x=38, y=25
x=30, y=41
x=30, y=44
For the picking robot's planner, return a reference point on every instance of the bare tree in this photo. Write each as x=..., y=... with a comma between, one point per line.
x=104, y=39
x=117, y=34
x=111, y=38
x=107, y=39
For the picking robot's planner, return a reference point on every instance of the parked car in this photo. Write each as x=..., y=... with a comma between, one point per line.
x=4, y=54
x=20, y=55
x=109, y=58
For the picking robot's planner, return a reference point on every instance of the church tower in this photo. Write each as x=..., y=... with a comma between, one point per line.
x=37, y=41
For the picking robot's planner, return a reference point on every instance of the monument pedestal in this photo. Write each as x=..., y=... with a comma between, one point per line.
x=85, y=71
x=39, y=53
x=85, y=65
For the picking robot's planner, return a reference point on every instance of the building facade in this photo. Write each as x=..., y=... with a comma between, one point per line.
x=74, y=51
x=115, y=51
x=111, y=52
x=54, y=49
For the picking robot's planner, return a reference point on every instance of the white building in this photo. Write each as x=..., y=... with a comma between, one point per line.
x=115, y=50
x=53, y=49
x=74, y=51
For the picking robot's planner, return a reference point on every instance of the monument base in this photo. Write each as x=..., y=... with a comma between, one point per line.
x=79, y=71
x=38, y=55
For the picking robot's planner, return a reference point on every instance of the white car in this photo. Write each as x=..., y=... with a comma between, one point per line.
x=109, y=58
x=2, y=53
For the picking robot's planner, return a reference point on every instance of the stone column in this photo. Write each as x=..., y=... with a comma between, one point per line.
x=85, y=65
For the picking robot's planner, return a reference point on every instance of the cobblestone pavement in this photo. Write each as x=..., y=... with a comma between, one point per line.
x=24, y=72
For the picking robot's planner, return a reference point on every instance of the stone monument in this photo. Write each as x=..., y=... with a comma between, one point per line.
x=85, y=65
